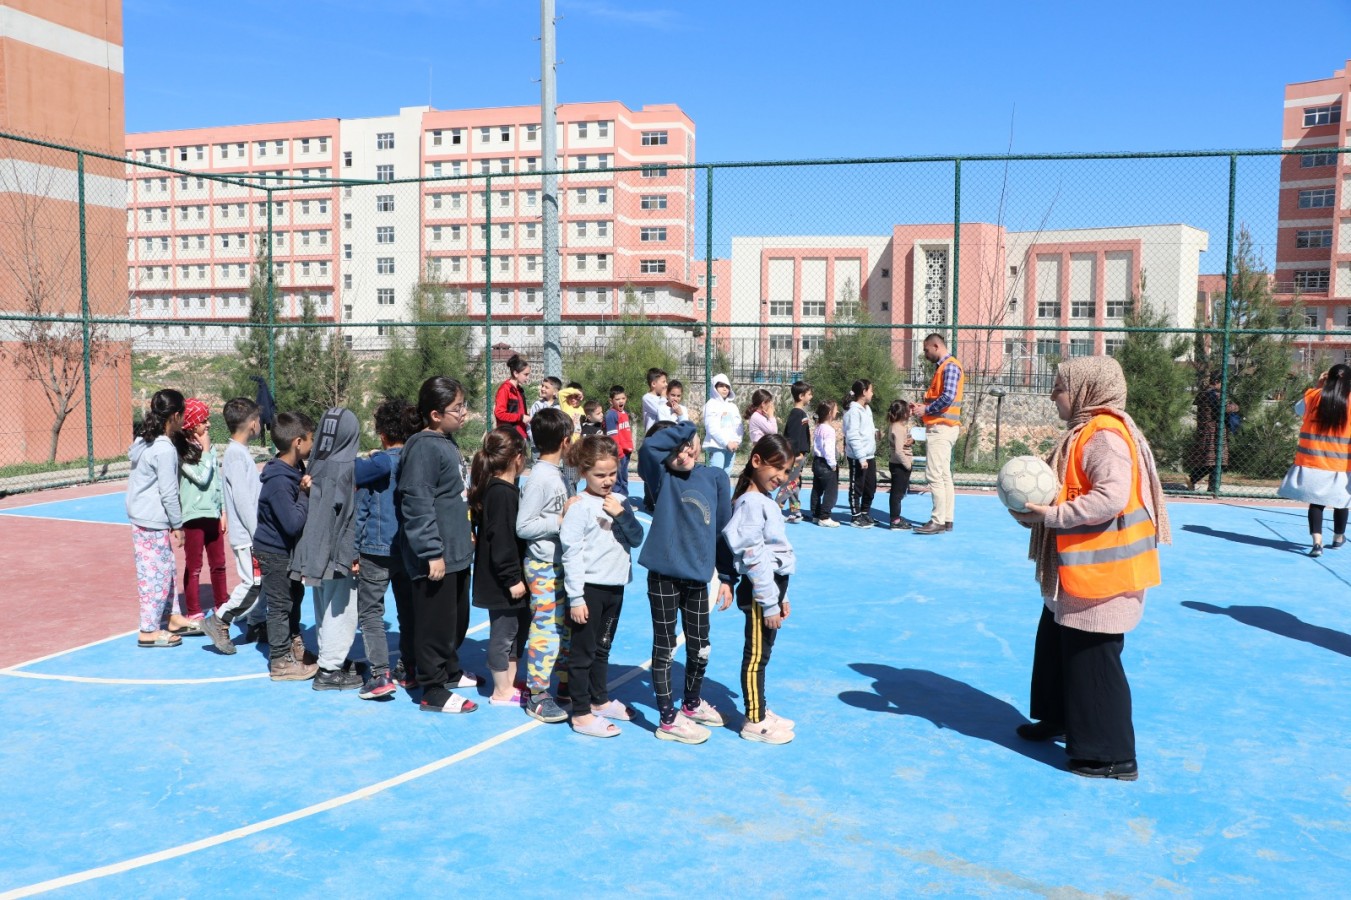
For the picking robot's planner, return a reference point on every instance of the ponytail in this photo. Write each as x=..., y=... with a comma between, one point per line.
x=773, y=450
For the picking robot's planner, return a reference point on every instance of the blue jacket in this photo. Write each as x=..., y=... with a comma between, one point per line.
x=282, y=508
x=689, y=511
x=376, y=479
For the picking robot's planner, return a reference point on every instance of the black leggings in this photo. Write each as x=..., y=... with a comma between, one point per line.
x=862, y=487
x=900, y=485
x=1316, y=520
x=825, y=488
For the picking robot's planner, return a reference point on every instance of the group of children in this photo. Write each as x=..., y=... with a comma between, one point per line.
x=549, y=563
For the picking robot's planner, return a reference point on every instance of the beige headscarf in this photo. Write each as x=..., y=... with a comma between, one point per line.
x=1095, y=385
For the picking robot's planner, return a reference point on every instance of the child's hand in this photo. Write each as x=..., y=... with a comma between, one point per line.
x=517, y=590
x=613, y=505
x=733, y=445
x=774, y=622
x=177, y=536
x=578, y=614
x=305, y=482
x=909, y=442
x=724, y=596
x=785, y=606
x=436, y=569
x=203, y=438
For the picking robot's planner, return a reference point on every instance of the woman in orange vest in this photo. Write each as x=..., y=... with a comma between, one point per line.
x=1096, y=554
x=1319, y=476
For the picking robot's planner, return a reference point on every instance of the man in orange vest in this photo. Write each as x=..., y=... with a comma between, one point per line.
x=941, y=413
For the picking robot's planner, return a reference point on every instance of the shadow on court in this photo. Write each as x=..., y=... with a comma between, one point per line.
x=1249, y=539
x=948, y=703
x=1280, y=622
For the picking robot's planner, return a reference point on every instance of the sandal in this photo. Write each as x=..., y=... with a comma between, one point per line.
x=162, y=640
x=598, y=727
x=454, y=704
x=192, y=629
x=613, y=710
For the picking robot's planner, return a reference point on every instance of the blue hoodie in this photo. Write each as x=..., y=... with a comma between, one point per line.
x=282, y=508
x=689, y=511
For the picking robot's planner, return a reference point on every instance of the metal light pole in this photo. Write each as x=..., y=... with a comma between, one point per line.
x=998, y=396
x=553, y=301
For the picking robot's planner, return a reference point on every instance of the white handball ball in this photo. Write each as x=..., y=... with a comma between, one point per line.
x=1023, y=480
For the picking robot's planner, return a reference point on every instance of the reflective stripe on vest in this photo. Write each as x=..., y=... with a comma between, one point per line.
x=1318, y=449
x=1112, y=557
x=953, y=414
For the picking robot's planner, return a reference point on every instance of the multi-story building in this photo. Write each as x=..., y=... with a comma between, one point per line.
x=447, y=197
x=1313, y=242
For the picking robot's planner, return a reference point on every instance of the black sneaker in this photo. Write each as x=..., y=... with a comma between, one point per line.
x=337, y=680
x=404, y=676
x=378, y=688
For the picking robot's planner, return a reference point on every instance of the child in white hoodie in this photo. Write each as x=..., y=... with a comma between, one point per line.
x=722, y=425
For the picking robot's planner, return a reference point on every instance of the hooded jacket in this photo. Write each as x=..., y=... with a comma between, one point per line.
x=429, y=501
x=152, y=490
x=722, y=420
x=328, y=543
x=282, y=507
x=689, y=510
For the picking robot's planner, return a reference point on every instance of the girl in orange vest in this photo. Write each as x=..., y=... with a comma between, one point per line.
x=1096, y=555
x=1319, y=476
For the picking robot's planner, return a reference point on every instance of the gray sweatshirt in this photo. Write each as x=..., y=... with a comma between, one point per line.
x=596, y=547
x=540, y=516
x=242, y=486
x=327, y=546
x=860, y=434
x=152, y=490
x=759, y=542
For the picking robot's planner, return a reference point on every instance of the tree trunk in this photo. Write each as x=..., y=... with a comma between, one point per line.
x=57, y=423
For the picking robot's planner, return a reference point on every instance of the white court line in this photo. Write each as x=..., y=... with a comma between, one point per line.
x=13, y=672
x=327, y=805
x=60, y=519
x=67, y=500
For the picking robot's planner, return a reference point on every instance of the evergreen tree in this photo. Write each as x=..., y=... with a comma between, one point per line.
x=848, y=354
x=252, y=347
x=416, y=354
x=632, y=347
x=315, y=369
x=1158, y=384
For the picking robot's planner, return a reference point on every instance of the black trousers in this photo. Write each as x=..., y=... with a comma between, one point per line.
x=668, y=597
x=441, y=611
x=284, y=597
x=1078, y=680
x=825, y=488
x=759, y=645
x=1316, y=520
x=900, y=486
x=589, y=656
x=862, y=487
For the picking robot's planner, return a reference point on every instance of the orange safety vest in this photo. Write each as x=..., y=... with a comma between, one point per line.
x=1116, y=556
x=953, y=414
x=1319, y=449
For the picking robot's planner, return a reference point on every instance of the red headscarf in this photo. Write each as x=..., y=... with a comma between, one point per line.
x=195, y=413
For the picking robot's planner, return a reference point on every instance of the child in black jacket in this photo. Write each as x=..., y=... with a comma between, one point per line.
x=499, y=575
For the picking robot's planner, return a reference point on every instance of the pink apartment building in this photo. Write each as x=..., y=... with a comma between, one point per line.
x=473, y=225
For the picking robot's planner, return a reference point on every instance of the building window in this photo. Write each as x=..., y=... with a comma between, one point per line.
x=812, y=343
x=1048, y=309
x=304, y=145
x=456, y=136
x=384, y=234
x=602, y=195
x=781, y=342
x=347, y=283
x=532, y=198
x=652, y=233
x=781, y=307
x=503, y=199
x=653, y=201
x=1317, y=159
x=485, y=134
x=814, y=308
x=581, y=262
x=384, y=140
x=1081, y=309
x=530, y=229
x=1118, y=309
x=649, y=295
x=436, y=232
x=384, y=296
x=504, y=230
x=581, y=230
x=436, y=170
x=532, y=132
x=1322, y=115
x=384, y=173
x=581, y=129
x=1081, y=346
x=1048, y=348
x=1311, y=280
x=436, y=139
x=436, y=201
x=384, y=203
x=654, y=171
x=1317, y=198
x=505, y=134
x=654, y=138
x=581, y=196
x=1314, y=237
x=346, y=220
x=652, y=266
x=384, y=265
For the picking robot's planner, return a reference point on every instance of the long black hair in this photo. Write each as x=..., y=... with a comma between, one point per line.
x=1331, y=412
x=773, y=450
x=501, y=448
x=435, y=395
x=163, y=407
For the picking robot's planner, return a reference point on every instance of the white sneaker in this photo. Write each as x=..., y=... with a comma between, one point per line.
x=827, y=523
x=704, y=714
x=683, y=730
x=772, y=716
x=766, y=731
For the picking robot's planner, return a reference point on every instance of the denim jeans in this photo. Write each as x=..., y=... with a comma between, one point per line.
x=376, y=575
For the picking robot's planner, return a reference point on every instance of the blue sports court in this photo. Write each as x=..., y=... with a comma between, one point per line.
x=905, y=663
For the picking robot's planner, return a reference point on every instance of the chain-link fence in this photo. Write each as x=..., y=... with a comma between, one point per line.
x=1217, y=279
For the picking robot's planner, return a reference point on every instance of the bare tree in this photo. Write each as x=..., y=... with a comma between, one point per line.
x=40, y=258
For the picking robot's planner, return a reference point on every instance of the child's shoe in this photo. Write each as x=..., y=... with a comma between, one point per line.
x=704, y=714
x=827, y=522
x=788, y=724
x=514, y=700
x=379, y=687
x=545, y=710
x=683, y=730
x=288, y=668
x=219, y=632
x=404, y=676
x=343, y=679
x=899, y=524
x=766, y=731
x=454, y=704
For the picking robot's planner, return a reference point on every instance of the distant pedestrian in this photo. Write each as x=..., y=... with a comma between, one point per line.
x=1319, y=476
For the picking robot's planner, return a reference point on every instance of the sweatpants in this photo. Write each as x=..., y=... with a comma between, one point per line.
x=376, y=575
x=441, y=613
x=759, y=645
x=284, y=597
x=507, y=629
x=938, y=469
x=245, y=595
x=155, y=570
x=667, y=596
x=335, y=616
x=789, y=493
x=549, y=637
x=900, y=485
x=825, y=488
x=862, y=487
x=1078, y=681
x=589, y=657
x=202, y=535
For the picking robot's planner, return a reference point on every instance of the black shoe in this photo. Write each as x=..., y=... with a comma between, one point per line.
x=1121, y=771
x=1316, y=551
x=947, y=526
x=1040, y=731
x=930, y=528
x=899, y=524
x=337, y=680
x=1337, y=541
x=404, y=676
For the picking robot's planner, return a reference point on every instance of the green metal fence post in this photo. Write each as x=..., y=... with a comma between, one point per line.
x=1221, y=415
x=271, y=305
x=708, y=284
x=84, y=321
x=956, y=246
x=487, y=303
